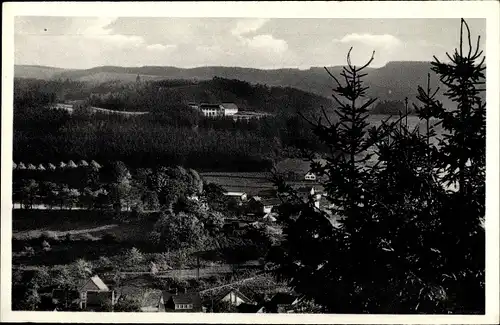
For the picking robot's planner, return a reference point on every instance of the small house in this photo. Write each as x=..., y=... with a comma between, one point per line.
x=233, y=296
x=51, y=166
x=62, y=165
x=31, y=167
x=179, y=300
x=40, y=167
x=21, y=166
x=310, y=176
x=93, y=292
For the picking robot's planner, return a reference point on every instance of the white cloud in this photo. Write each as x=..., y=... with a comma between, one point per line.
x=267, y=42
x=98, y=30
x=160, y=47
x=384, y=40
x=246, y=26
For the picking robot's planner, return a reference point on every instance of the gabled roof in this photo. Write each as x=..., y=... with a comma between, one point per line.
x=62, y=164
x=83, y=163
x=21, y=166
x=31, y=166
x=183, y=298
x=51, y=166
x=97, y=281
x=40, y=167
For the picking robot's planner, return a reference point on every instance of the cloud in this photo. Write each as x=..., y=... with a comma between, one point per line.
x=246, y=26
x=98, y=30
x=160, y=47
x=383, y=40
x=267, y=42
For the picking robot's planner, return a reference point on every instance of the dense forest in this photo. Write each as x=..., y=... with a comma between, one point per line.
x=171, y=134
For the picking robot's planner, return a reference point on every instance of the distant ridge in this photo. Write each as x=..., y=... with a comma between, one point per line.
x=394, y=81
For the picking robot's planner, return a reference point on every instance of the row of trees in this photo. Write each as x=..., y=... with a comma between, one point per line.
x=403, y=242
x=113, y=185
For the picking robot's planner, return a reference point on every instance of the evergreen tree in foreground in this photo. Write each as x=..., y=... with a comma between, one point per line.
x=396, y=239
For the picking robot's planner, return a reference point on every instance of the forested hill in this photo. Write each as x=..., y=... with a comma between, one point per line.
x=158, y=96
x=393, y=82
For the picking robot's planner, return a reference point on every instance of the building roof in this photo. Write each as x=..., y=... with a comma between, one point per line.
x=183, y=298
x=40, y=167
x=204, y=105
x=62, y=164
x=230, y=106
x=97, y=281
x=83, y=163
x=51, y=166
x=31, y=166
x=21, y=165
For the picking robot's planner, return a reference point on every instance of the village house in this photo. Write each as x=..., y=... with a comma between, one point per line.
x=211, y=110
x=310, y=176
x=180, y=300
x=90, y=293
x=282, y=302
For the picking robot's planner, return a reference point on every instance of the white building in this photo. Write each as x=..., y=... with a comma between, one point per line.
x=310, y=177
x=212, y=110
x=230, y=109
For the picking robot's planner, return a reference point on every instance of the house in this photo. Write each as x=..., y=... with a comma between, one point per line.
x=233, y=296
x=212, y=110
x=40, y=167
x=62, y=165
x=51, y=166
x=175, y=300
x=89, y=294
x=93, y=292
x=310, y=176
x=269, y=204
x=21, y=166
x=31, y=167
x=229, y=109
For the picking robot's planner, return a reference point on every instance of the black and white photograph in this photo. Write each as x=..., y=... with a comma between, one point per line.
x=209, y=162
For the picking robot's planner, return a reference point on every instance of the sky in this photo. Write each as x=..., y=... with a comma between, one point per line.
x=86, y=42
